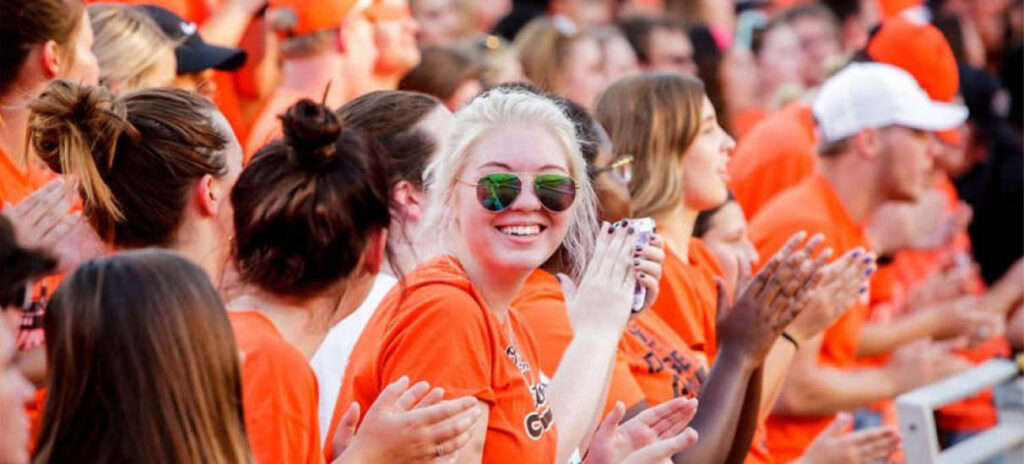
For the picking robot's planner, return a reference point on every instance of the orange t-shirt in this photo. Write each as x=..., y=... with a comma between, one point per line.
x=688, y=299
x=812, y=206
x=16, y=183
x=435, y=326
x=661, y=362
x=279, y=393
x=774, y=155
x=541, y=303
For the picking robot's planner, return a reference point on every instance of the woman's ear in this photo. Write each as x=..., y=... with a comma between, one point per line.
x=209, y=195
x=374, y=254
x=50, y=59
x=409, y=202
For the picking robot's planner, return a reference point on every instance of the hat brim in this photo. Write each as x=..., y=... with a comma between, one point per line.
x=951, y=137
x=933, y=117
x=198, y=57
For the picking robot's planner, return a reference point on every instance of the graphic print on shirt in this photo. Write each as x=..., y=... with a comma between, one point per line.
x=688, y=373
x=540, y=420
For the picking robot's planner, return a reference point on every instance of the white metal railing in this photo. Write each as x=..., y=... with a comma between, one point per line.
x=917, y=420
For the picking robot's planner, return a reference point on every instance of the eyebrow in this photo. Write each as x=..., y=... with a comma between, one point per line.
x=498, y=164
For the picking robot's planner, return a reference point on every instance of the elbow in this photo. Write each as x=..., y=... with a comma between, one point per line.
x=801, y=397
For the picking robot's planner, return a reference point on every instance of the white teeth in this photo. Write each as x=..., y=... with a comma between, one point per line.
x=520, y=230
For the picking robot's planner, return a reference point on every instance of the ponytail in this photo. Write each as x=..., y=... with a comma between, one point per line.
x=75, y=130
x=136, y=155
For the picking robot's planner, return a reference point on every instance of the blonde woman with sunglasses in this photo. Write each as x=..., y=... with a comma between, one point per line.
x=509, y=190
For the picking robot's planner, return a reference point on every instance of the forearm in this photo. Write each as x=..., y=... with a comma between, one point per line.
x=825, y=390
x=882, y=338
x=749, y=417
x=226, y=26
x=776, y=366
x=577, y=388
x=719, y=412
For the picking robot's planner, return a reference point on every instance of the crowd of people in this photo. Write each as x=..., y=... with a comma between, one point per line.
x=565, y=231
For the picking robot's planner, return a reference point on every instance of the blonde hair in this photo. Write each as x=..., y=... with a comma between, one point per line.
x=128, y=44
x=655, y=117
x=501, y=108
x=543, y=47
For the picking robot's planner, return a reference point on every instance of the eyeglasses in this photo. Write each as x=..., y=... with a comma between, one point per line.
x=621, y=168
x=496, y=192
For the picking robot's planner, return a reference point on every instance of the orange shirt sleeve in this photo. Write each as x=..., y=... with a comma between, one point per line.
x=279, y=394
x=448, y=314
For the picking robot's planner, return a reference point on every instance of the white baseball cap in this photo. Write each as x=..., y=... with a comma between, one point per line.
x=874, y=95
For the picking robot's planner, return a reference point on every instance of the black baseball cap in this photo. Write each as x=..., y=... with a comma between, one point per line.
x=193, y=54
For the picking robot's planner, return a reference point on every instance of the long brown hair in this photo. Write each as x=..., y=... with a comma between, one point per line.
x=136, y=155
x=143, y=366
x=32, y=22
x=654, y=117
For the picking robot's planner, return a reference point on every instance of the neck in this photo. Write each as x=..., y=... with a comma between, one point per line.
x=312, y=74
x=14, y=115
x=497, y=287
x=676, y=227
x=853, y=183
x=204, y=245
x=303, y=322
x=385, y=81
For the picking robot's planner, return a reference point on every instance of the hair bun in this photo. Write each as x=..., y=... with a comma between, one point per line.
x=312, y=131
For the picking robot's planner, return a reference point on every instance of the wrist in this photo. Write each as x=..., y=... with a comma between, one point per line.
x=742, y=358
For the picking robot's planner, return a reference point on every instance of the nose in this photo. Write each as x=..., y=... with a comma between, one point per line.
x=730, y=143
x=527, y=200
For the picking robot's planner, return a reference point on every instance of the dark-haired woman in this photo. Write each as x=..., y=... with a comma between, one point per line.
x=155, y=169
x=143, y=366
x=311, y=218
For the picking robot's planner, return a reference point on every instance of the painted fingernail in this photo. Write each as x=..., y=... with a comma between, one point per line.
x=856, y=254
x=869, y=271
x=866, y=260
x=863, y=289
x=636, y=262
x=611, y=230
x=631, y=230
x=639, y=248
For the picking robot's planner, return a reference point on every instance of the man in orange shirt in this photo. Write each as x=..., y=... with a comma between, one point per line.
x=324, y=47
x=874, y=123
x=779, y=152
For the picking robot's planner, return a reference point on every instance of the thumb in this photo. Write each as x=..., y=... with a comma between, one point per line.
x=610, y=424
x=664, y=449
x=722, y=303
x=346, y=429
x=568, y=286
x=839, y=426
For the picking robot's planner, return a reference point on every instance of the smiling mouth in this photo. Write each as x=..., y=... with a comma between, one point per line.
x=521, y=231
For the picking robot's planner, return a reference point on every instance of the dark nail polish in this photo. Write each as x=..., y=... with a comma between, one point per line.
x=639, y=247
x=863, y=289
x=611, y=230
x=636, y=262
x=856, y=254
x=631, y=230
x=866, y=260
x=869, y=271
